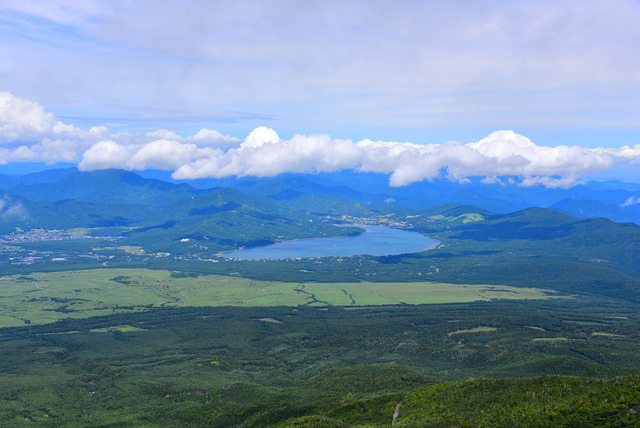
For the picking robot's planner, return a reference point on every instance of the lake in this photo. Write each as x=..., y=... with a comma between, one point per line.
x=375, y=241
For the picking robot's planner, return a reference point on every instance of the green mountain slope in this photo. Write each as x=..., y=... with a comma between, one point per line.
x=560, y=235
x=535, y=247
x=26, y=214
x=551, y=401
x=110, y=186
x=227, y=219
x=47, y=176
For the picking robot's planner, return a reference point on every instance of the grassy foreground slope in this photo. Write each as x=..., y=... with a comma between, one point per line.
x=549, y=401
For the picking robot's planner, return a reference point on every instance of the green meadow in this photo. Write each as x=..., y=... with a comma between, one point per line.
x=47, y=297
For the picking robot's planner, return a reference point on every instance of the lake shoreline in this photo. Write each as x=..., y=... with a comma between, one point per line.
x=372, y=242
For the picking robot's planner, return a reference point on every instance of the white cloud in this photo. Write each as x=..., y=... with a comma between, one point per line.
x=501, y=154
x=166, y=154
x=29, y=133
x=164, y=134
x=104, y=155
x=53, y=151
x=259, y=137
x=630, y=201
x=263, y=154
x=18, y=154
x=508, y=153
x=214, y=138
x=23, y=120
x=631, y=154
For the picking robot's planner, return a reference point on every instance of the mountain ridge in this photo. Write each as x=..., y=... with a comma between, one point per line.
x=617, y=201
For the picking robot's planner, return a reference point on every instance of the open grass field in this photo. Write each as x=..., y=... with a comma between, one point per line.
x=46, y=297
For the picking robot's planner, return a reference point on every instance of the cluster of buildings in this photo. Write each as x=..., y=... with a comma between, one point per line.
x=38, y=235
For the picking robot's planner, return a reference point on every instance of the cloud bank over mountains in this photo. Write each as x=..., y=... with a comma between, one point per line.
x=30, y=134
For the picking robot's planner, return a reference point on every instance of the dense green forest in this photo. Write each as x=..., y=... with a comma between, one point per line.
x=327, y=366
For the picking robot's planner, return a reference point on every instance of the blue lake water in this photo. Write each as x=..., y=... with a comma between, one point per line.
x=376, y=241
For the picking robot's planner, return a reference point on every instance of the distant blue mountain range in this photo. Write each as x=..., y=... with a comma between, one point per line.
x=615, y=200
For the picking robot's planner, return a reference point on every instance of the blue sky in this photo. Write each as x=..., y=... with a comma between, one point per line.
x=561, y=73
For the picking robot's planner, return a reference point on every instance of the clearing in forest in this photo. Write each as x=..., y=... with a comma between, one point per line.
x=46, y=297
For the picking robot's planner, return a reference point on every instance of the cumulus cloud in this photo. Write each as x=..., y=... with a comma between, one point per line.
x=166, y=154
x=104, y=155
x=161, y=149
x=211, y=138
x=260, y=136
x=263, y=154
x=22, y=119
x=163, y=133
x=501, y=154
x=29, y=133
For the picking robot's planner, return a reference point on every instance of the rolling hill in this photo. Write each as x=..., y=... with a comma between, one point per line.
x=106, y=187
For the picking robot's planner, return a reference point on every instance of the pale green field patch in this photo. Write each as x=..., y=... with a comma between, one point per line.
x=9, y=321
x=39, y=298
x=271, y=320
x=607, y=334
x=480, y=329
x=120, y=328
x=587, y=323
x=51, y=350
x=78, y=231
x=466, y=218
x=550, y=339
